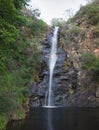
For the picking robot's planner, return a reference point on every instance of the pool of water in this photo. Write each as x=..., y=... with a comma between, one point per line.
x=58, y=119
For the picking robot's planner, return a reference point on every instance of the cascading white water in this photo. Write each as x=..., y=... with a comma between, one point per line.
x=52, y=61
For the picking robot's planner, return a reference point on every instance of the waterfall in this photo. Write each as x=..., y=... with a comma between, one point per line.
x=52, y=61
x=55, y=78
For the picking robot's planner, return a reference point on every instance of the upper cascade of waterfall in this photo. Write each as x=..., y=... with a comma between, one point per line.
x=52, y=61
x=53, y=56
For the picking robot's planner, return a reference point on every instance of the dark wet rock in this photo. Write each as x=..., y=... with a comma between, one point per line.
x=97, y=93
x=41, y=92
x=48, y=37
x=34, y=102
x=44, y=73
x=64, y=77
x=33, y=89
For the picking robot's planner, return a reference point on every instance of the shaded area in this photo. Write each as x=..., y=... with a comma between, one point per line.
x=58, y=119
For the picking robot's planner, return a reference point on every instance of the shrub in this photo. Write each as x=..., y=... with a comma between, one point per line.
x=94, y=20
x=3, y=122
x=93, y=13
x=77, y=31
x=8, y=33
x=90, y=13
x=37, y=26
x=91, y=63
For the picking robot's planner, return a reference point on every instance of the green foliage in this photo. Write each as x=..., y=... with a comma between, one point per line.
x=8, y=33
x=7, y=11
x=20, y=20
x=71, y=31
x=3, y=122
x=91, y=63
x=90, y=13
x=20, y=3
x=11, y=93
x=42, y=25
x=92, y=9
x=70, y=34
x=95, y=20
x=93, y=13
x=6, y=104
x=37, y=26
x=21, y=114
x=57, y=21
x=20, y=62
x=77, y=31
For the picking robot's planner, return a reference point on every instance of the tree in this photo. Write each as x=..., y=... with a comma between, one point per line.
x=36, y=12
x=6, y=8
x=57, y=21
x=20, y=3
x=69, y=13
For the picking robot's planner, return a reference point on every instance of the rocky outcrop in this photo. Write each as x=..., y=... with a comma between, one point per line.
x=69, y=80
x=86, y=94
x=64, y=77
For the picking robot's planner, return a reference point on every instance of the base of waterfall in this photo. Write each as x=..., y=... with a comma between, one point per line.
x=51, y=106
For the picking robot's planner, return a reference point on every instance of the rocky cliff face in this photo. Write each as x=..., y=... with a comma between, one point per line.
x=77, y=39
x=73, y=86
x=64, y=79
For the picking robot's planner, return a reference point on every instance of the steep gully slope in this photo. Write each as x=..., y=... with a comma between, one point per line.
x=68, y=80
